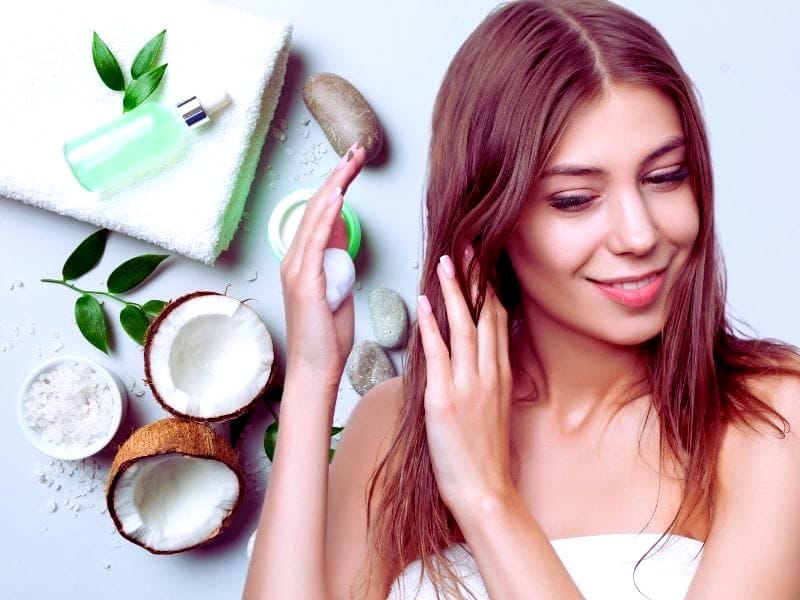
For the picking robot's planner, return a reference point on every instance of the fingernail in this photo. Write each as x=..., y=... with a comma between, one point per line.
x=424, y=305
x=334, y=196
x=447, y=266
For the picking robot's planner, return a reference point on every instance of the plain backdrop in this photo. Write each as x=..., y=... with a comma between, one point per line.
x=744, y=62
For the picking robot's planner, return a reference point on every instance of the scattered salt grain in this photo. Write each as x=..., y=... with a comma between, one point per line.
x=325, y=172
x=253, y=275
x=139, y=393
x=283, y=137
x=106, y=565
x=57, y=346
x=305, y=135
x=52, y=506
x=69, y=405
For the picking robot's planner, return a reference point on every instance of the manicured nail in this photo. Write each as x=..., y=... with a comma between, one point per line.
x=334, y=196
x=424, y=305
x=447, y=266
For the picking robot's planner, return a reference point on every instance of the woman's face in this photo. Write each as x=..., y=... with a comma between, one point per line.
x=617, y=204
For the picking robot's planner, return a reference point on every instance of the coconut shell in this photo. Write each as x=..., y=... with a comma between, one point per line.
x=153, y=329
x=172, y=435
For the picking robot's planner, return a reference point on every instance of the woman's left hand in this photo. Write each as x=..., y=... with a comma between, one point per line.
x=467, y=398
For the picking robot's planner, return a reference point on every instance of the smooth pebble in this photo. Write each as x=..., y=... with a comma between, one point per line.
x=343, y=113
x=389, y=317
x=367, y=366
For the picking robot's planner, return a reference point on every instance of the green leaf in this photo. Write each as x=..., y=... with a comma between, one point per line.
x=106, y=65
x=133, y=272
x=147, y=55
x=153, y=308
x=86, y=256
x=134, y=322
x=140, y=89
x=335, y=430
x=92, y=321
x=331, y=452
x=270, y=439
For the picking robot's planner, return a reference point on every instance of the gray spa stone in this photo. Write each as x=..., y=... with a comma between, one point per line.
x=389, y=317
x=343, y=113
x=367, y=366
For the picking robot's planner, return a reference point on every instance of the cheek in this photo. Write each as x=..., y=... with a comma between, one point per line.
x=679, y=221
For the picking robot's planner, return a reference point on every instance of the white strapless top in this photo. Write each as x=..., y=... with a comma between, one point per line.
x=600, y=565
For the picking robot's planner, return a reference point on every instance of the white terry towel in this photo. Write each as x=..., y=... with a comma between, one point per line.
x=51, y=92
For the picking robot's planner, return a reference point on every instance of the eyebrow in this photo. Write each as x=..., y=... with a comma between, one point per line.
x=574, y=170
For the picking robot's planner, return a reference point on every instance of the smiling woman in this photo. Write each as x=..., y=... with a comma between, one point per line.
x=574, y=391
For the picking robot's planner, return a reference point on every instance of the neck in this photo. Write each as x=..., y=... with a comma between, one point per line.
x=577, y=376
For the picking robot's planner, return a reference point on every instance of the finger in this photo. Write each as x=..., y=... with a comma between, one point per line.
x=342, y=176
x=437, y=358
x=488, y=365
x=318, y=239
x=463, y=335
x=503, y=349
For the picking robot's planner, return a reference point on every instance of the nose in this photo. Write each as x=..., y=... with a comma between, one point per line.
x=631, y=226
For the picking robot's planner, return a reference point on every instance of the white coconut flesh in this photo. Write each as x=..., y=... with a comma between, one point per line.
x=171, y=501
x=210, y=356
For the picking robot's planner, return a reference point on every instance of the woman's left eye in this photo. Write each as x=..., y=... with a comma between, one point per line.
x=670, y=177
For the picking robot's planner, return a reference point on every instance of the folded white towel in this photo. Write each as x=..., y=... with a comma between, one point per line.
x=51, y=92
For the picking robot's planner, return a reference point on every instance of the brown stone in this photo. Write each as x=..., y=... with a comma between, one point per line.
x=343, y=113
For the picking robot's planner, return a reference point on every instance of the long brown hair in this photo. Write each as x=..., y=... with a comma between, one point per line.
x=504, y=102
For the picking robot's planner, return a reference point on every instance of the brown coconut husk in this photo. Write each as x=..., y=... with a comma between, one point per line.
x=171, y=435
x=153, y=329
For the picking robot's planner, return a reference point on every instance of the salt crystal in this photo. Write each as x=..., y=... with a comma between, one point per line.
x=106, y=565
x=32, y=329
x=131, y=383
x=306, y=134
x=51, y=506
x=11, y=285
x=19, y=283
x=253, y=275
x=325, y=172
x=324, y=150
x=57, y=346
x=283, y=137
x=305, y=122
x=290, y=151
x=55, y=335
x=139, y=393
x=357, y=285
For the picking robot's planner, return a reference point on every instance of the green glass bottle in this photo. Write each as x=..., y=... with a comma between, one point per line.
x=139, y=141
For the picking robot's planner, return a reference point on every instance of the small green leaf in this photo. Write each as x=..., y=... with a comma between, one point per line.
x=153, y=308
x=331, y=452
x=147, y=55
x=92, y=321
x=86, y=256
x=140, y=89
x=106, y=65
x=270, y=439
x=133, y=272
x=335, y=430
x=134, y=322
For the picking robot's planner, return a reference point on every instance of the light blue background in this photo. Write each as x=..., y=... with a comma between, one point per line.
x=744, y=60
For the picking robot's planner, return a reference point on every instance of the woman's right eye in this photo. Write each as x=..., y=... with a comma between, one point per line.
x=571, y=203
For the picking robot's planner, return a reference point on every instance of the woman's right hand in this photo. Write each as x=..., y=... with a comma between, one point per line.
x=318, y=341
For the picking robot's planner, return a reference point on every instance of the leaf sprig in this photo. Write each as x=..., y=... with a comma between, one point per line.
x=89, y=314
x=146, y=78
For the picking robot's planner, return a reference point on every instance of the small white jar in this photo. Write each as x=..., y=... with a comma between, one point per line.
x=119, y=401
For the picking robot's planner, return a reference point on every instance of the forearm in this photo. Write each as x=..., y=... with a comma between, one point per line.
x=288, y=558
x=515, y=559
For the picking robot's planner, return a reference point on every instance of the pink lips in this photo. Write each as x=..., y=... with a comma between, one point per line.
x=634, y=298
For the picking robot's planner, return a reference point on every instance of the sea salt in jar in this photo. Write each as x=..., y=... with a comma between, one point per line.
x=70, y=407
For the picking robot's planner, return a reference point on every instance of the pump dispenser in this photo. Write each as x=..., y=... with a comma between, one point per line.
x=140, y=140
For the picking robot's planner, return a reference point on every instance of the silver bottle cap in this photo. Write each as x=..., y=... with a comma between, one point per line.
x=192, y=112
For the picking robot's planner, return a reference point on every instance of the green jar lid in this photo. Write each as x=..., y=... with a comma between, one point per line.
x=286, y=217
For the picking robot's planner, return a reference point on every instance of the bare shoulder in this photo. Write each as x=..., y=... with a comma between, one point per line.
x=365, y=440
x=755, y=518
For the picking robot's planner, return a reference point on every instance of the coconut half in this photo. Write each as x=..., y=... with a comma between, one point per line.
x=174, y=485
x=208, y=356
